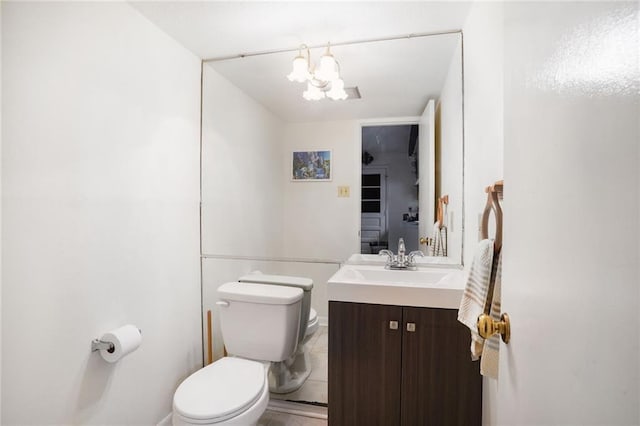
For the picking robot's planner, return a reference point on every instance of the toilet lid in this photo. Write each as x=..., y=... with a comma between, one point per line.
x=220, y=390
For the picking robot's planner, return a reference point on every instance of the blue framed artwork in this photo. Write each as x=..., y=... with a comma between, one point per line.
x=311, y=166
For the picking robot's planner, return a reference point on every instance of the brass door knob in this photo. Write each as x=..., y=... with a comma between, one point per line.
x=487, y=327
x=424, y=240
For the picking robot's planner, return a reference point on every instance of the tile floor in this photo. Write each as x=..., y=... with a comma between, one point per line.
x=315, y=388
x=273, y=418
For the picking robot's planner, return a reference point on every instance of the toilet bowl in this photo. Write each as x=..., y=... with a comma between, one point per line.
x=234, y=390
x=289, y=375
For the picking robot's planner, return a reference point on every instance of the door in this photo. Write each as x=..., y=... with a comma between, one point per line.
x=373, y=235
x=364, y=364
x=440, y=383
x=571, y=215
x=426, y=173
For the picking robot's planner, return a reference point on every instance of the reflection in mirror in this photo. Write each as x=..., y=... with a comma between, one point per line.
x=256, y=217
x=411, y=181
x=389, y=207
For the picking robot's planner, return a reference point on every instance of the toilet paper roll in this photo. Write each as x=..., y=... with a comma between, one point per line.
x=125, y=340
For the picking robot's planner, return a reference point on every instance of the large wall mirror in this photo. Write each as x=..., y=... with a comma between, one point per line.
x=411, y=180
x=409, y=145
x=394, y=152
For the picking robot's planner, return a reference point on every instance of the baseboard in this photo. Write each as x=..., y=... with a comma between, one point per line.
x=166, y=421
x=298, y=409
x=324, y=321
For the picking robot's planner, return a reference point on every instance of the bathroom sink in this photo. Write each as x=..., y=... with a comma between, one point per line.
x=437, y=287
x=384, y=276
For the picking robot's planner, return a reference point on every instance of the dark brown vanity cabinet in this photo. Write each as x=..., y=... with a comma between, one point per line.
x=395, y=365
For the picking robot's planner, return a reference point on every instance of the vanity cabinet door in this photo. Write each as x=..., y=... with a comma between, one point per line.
x=440, y=383
x=364, y=364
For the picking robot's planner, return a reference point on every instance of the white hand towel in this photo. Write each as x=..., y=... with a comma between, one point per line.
x=490, y=354
x=475, y=294
x=435, y=242
x=439, y=244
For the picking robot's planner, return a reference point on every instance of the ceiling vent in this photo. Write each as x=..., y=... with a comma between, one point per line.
x=352, y=92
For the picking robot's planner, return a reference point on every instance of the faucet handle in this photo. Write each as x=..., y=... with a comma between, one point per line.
x=386, y=253
x=413, y=254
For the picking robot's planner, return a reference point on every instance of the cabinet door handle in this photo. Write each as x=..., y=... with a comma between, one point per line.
x=411, y=326
x=393, y=325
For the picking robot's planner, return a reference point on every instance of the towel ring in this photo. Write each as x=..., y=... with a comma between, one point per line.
x=493, y=204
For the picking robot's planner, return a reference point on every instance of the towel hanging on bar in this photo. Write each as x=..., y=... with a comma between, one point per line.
x=476, y=293
x=490, y=351
x=439, y=245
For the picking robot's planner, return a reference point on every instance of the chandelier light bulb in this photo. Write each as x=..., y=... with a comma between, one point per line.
x=300, y=72
x=313, y=93
x=324, y=82
x=328, y=69
x=337, y=92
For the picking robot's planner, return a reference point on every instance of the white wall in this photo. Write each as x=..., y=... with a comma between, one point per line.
x=483, y=120
x=0, y=212
x=241, y=172
x=100, y=213
x=319, y=224
x=451, y=152
x=570, y=278
x=483, y=112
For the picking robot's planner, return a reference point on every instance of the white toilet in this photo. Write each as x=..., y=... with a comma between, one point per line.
x=235, y=389
x=289, y=375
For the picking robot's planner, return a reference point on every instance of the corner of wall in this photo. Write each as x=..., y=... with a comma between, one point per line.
x=1, y=5
x=483, y=111
x=483, y=132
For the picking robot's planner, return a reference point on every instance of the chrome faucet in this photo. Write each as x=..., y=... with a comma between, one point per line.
x=400, y=261
x=401, y=251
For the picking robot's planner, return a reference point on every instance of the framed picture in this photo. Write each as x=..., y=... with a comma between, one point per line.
x=311, y=166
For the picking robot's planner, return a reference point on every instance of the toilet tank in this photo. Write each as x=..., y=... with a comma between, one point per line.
x=305, y=284
x=259, y=321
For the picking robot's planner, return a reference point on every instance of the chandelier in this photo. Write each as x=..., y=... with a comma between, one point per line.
x=322, y=81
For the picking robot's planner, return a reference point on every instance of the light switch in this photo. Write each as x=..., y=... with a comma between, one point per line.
x=343, y=191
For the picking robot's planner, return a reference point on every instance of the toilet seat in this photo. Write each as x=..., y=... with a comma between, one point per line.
x=220, y=391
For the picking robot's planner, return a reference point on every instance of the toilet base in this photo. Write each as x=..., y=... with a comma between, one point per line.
x=289, y=376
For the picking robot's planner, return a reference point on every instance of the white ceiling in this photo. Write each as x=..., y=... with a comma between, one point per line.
x=395, y=78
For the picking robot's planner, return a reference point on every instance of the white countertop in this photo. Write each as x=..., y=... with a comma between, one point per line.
x=425, y=287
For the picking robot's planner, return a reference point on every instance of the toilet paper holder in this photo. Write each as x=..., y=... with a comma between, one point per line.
x=97, y=345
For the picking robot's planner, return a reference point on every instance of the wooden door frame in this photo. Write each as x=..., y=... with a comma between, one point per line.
x=382, y=171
